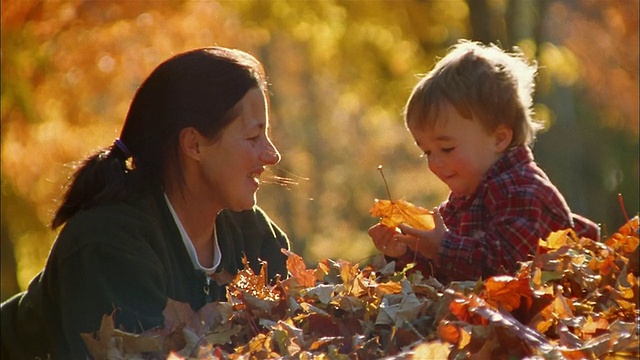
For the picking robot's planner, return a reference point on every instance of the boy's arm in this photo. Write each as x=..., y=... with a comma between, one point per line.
x=513, y=228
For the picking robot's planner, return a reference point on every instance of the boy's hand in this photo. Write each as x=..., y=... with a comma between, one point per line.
x=426, y=242
x=384, y=239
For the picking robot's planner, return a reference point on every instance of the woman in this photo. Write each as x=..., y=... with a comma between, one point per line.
x=167, y=211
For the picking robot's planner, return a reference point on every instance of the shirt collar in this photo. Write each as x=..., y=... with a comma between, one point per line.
x=514, y=157
x=217, y=255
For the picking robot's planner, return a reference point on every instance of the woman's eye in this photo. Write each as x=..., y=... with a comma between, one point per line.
x=448, y=150
x=253, y=138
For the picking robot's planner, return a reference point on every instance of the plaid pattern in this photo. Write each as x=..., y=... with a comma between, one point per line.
x=491, y=231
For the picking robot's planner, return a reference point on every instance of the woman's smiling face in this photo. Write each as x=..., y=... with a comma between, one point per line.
x=232, y=164
x=459, y=151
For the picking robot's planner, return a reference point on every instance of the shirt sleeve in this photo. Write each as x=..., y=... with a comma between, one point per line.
x=103, y=278
x=513, y=226
x=585, y=227
x=252, y=234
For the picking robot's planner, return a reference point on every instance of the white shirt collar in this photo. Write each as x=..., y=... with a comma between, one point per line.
x=217, y=255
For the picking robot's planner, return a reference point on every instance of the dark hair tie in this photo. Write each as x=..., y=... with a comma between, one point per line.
x=123, y=148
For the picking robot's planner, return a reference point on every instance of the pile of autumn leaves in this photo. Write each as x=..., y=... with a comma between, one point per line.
x=577, y=298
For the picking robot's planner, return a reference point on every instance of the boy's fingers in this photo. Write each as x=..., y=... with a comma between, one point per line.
x=407, y=239
x=438, y=217
x=406, y=229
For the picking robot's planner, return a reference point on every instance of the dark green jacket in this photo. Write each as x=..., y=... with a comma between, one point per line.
x=127, y=257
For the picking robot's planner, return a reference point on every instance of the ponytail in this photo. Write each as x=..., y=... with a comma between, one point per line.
x=100, y=179
x=197, y=88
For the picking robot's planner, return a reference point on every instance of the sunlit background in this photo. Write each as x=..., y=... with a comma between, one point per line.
x=340, y=73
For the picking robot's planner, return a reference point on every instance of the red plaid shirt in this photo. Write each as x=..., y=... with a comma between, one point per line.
x=500, y=225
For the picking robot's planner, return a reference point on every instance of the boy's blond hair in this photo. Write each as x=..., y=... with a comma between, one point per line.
x=481, y=82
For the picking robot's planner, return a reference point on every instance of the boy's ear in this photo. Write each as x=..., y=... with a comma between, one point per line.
x=503, y=136
x=189, y=142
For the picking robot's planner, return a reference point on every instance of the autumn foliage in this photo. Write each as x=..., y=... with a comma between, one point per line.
x=576, y=299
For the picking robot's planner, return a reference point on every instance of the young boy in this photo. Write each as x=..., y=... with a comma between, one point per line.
x=471, y=117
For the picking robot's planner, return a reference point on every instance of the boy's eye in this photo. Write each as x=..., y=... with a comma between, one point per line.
x=447, y=150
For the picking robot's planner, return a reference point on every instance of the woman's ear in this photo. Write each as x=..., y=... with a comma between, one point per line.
x=503, y=136
x=189, y=142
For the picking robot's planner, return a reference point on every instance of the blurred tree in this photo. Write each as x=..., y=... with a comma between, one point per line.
x=340, y=71
x=563, y=37
x=590, y=84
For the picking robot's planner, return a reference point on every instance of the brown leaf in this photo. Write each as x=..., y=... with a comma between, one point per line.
x=99, y=342
x=177, y=315
x=512, y=326
x=223, y=333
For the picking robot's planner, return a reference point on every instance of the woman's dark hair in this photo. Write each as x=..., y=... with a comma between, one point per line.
x=199, y=89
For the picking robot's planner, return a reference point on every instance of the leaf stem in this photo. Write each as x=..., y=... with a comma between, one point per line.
x=624, y=211
x=385, y=183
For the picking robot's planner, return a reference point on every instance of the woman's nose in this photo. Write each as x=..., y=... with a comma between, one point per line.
x=270, y=155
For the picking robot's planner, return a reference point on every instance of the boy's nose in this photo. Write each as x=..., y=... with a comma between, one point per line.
x=435, y=163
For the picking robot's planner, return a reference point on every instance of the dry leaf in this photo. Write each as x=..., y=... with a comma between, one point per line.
x=394, y=213
x=99, y=344
x=300, y=275
x=577, y=297
x=557, y=239
x=508, y=292
x=432, y=350
x=626, y=239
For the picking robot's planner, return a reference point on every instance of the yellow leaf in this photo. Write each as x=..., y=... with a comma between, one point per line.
x=390, y=287
x=556, y=239
x=432, y=350
x=592, y=325
x=394, y=213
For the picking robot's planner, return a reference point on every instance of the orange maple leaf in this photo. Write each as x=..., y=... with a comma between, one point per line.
x=630, y=228
x=626, y=239
x=448, y=331
x=508, y=292
x=298, y=269
x=604, y=266
x=396, y=212
x=256, y=285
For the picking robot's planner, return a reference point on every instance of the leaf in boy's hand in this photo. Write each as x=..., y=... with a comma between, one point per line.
x=394, y=213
